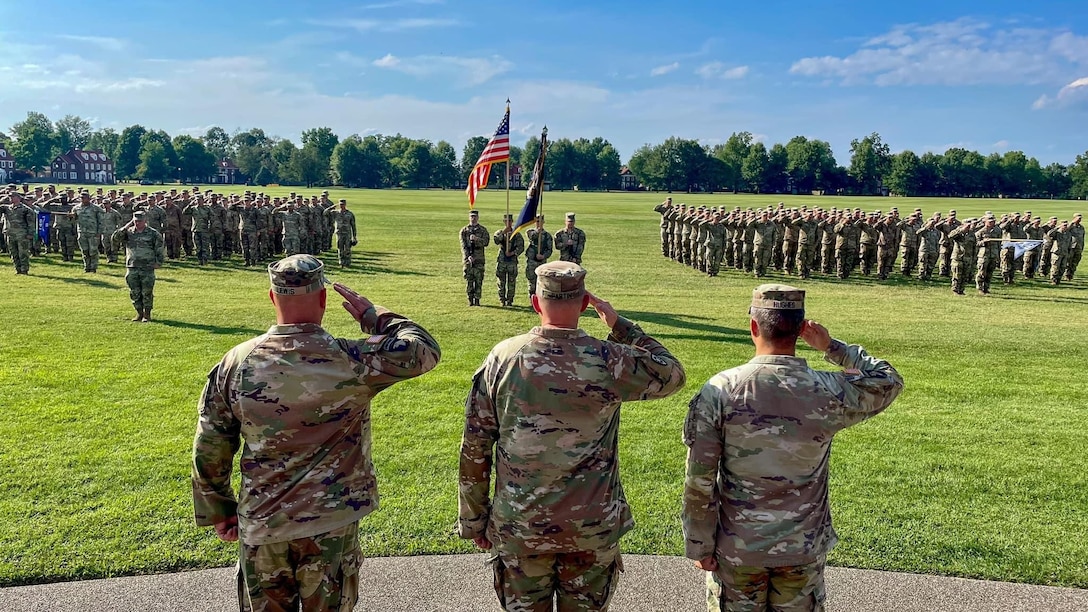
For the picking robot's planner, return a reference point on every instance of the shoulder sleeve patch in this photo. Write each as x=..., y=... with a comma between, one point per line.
x=377, y=339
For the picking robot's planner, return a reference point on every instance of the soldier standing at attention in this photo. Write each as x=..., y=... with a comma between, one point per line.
x=18, y=222
x=143, y=255
x=172, y=228
x=300, y=400
x=510, y=245
x=664, y=209
x=201, y=228
x=572, y=241
x=89, y=231
x=346, y=236
x=908, y=242
x=1076, y=246
x=756, y=509
x=474, y=239
x=537, y=251
x=550, y=400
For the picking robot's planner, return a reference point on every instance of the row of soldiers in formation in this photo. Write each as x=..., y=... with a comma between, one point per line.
x=537, y=244
x=208, y=226
x=800, y=241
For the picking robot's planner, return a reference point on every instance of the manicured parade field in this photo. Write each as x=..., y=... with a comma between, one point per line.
x=977, y=470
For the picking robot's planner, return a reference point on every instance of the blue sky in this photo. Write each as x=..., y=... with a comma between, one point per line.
x=991, y=76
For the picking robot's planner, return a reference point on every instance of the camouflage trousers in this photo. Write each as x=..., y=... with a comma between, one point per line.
x=738, y=255
x=927, y=260
x=217, y=243
x=201, y=245
x=343, y=249
x=666, y=242
x=577, y=582
x=19, y=248
x=714, y=254
x=506, y=280
x=961, y=273
x=249, y=247
x=827, y=258
x=66, y=241
x=868, y=257
x=796, y=588
x=172, y=240
x=107, y=248
x=187, y=242
x=474, y=280
x=778, y=255
x=945, y=266
x=88, y=246
x=1008, y=265
x=762, y=254
x=291, y=244
x=986, y=267
x=909, y=256
x=1057, y=266
x=1071, y=263
x=319, y=573
x=805, y=253
x=845, y=260
x=885, y=256
x=1031, y=263
x=141, y=287
x=530, y=276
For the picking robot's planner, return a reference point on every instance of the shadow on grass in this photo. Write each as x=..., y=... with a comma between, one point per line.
x=210, y=328
x=688, y=323
x=90, y=282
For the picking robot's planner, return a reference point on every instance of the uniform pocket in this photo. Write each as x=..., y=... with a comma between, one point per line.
x=498, y=569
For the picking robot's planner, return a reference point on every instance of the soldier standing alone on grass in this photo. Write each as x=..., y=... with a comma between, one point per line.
x=346, y=235
x=571, y=241
x=756, y=512
x=300, y=400
x=474, y=239
x=550, y=400
x=143, y=255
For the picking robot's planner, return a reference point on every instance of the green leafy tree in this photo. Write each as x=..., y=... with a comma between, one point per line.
x=347, y=163
x=264, y=177
x=929, y=174
x=154, y=165
x=904, y=178
x=217, y=142
x=322, y=139
x=1056, y=181
x=755, y=168
x=870, y=160
x=252, y=150
x=195, y=162
x=445, y=173
x=733, y=153
x=647, y=166
x=416, y=165
x=778, y=162
x=1078, y=177
x=104, y=140
x=281, y=155
x=307, y=164
x=470, y=154
x=127, y=157
x=73, y=132
x=34, y=138
x=562, y=164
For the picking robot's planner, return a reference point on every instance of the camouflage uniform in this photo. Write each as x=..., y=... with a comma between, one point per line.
x=64, y=229
x=847, y=234
x=1010, y=231
x=111, y=220
x=827, y=245
x=538, y=242
x=929, y=244
x=885, y=247
x=870, y=237
x=908, y=245
x=509, y=247
x=217, y=230
x=19, y=222
x=1059, y=251
x=186, y=225
x=1033, y=231
x=989, y=248
x=248, y=221
x=201, y=228
x=577, y=238
x=715, y=246
x=762, y=245
x=945, y=257
x=964, y=251
x=474, y=239
x=344, y=222
x=756, y=490
x=291, y=220
x=300, y=399
x=806, y=245
x=89, y=231
x=1076, y=247
x=143, y=253
x=550, y=399
x=666, y=234
x=172, y=231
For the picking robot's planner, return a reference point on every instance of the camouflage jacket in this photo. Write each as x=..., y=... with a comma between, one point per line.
x=550, y=401
x=663, y=209
x=201, y=218
x=531, y=250
x=474, y=248
x=344, y=222
x=300, y=399
x=759, y=445
x=577, y=239
x=989, y=243
x=142, y=249
x=88, y=219
x=516, y=246
x=1076, y=235
x=18, y=220
x=111, y=220
x=964, y=243
x=155, y=217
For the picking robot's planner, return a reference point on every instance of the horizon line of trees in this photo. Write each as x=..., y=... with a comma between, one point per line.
x=740, y=164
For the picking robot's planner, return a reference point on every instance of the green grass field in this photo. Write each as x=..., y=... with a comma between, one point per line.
x=977, y=470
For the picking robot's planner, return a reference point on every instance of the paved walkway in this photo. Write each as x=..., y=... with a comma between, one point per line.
x=461, y=583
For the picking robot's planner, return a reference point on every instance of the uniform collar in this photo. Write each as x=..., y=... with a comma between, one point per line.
x=557, y=332
x=294, y=328
x=779, y=360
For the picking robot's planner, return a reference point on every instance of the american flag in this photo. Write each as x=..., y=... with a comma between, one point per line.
x=496, y=151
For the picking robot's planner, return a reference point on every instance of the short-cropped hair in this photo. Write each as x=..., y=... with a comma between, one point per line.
x=778, y=324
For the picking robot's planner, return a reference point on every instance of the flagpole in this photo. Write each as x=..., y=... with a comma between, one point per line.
x=540, y=202
x=508, y=161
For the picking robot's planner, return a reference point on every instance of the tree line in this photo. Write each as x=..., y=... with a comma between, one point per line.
x=740, y=164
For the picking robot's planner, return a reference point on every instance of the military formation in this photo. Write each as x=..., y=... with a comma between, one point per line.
x=194, y=224
x=804, y=241
x=538, y=245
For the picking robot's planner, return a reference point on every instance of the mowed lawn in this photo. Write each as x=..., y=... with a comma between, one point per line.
x=977, y=470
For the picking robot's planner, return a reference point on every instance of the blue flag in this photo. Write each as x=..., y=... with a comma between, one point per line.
x=527, y=216
x=45, y=221
x=1020, y=247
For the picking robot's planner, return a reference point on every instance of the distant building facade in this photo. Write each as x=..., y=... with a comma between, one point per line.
x=227, y=173
x=79, y=166
x=628, y=181
x=7, y=164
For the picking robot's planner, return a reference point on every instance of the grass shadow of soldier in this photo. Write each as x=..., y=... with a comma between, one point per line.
x=689, y=323
x=369, y=262
x=90, y=282
x=213, y=329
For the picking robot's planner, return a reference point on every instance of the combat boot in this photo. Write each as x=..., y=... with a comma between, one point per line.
x=139, y=316
x=147, y=316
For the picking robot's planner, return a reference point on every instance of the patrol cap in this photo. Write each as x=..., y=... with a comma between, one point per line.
x=297, y=275
x=139, y=215
x=474, y=213
x=570, y=216
x=343, y=201
x=778, y=297
x=540, y=217
x=508, y=217
x=560, y=280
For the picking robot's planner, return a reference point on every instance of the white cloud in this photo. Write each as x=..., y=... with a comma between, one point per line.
x=667, y=68
x=961, y=52
x=388, y=25
x=398, y=4
x=104, y=42
x=1073, y=93
x=717, y=70
x=1000, y=145
x=467, y=71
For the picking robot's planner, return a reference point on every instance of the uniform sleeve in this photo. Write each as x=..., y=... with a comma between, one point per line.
x=641, y=367
x=517, y=244
x=160, y=249
x=547, y=246
x=867, y=385
x=477, y=447
x=466, y=250
x=397, y=350
x=703, y=435
x=579, y=246
x=217, y=439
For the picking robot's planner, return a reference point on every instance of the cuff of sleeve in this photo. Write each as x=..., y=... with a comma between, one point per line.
x=836, y=352
x=369, y=321
x=698, y=552
x=624, y=331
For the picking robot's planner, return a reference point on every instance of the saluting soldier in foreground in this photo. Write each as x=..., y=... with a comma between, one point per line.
x=300, y=400
x=756, y=510
x=144, y=250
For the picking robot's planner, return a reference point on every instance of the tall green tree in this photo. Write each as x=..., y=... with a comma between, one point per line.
x=347, y=163
x=1056, y=181
x=154, y=165
x=416, y=165
x=778, y=163
x=445, y=173
x=732, y=153
x=73, y=132
x=904, y=176
x=470, y=153
x=1078, y=177
x=252, y=150
x=196, y=163
x=34, y=138
x=870, y=160
x=281, y=155
x=308, y=165
x=104, y=140
x=217, y=142
x=755, y=168
x=127, y=157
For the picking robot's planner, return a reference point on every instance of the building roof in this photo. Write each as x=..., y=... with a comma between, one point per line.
x=226, y=164
x=625, y=170
x=81, y=156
